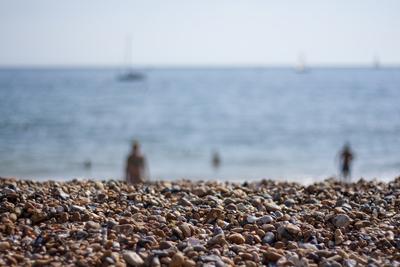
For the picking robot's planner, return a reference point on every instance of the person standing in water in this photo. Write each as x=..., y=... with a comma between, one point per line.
x=136, y=166
x=216, y=160
x=346, y=158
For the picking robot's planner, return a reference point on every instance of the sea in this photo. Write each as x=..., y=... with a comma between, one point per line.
x=264, y=123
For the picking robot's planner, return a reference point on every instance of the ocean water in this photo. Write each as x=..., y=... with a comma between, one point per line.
x=264, y=122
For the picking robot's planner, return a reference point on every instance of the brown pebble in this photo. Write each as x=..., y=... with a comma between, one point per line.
x=177, y=260
x=90, y=225
x=254, y=223
x=76, y=217
x=64, y=217
x=4, y=246
x=189, y=263
x=236, y=238
x=272, y=255
x=185, y=228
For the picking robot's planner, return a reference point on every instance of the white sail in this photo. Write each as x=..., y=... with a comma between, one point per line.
x=301, y=65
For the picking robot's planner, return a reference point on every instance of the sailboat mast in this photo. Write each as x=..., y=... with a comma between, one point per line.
x=128, y=52
x=129, y=74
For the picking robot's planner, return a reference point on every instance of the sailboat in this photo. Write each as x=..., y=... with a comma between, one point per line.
x=301, y=65
x=130, y=75
x=376, y=63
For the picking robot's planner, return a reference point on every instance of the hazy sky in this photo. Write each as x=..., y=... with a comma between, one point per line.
x=206, y=32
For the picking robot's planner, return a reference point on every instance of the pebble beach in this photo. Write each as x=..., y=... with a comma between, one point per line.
x=187, y=223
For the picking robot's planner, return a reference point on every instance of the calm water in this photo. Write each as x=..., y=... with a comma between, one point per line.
x=265, y=123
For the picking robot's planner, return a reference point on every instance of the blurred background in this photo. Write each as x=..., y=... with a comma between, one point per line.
x=275, y=88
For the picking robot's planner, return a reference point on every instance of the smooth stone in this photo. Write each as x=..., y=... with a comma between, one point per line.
x=209, y=258
x=155, y=262
x=341, y=220
x=272, y=255
x=251, y=219
x=166, y=244
x=308, y=246
x=185, y=228
x=13, y=217
x=217, y=239
x=269, y=238
x=265, y=219
x=132, y=258
x=92, y=225
x=236, y=238
x=189, y=263
x=289, y=202
x=99, y=185
x=62, y=194
x=271, y=206
x=293, y=229
x=217, y=230
x=349, y=263
x=213, y=258
x=4, y=245
x=78, y=208
x=177, y=260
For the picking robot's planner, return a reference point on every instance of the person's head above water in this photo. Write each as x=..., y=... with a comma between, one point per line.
x=346, y=146
x=135, y=147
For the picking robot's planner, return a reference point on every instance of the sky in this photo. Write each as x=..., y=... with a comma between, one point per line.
x=201, y=32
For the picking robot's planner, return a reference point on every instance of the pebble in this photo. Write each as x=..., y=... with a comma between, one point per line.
x=252, y=219
x=184, y=223
x=269, y=238
x=341, y=220
x=132, y=258
x=99, y=185
x=4, y=246
x=271, y=206
x=178, y=260
x=92, y=225
x=292, y=229
x=236, y=238
x=338, y=237
x=289, y=202
x=218, y=239
x=185, y=228
x=185, y=202
x=189, y=263
x=272, y=255
x=265, y=219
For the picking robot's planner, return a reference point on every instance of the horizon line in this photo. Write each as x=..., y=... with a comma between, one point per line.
x=194, y=66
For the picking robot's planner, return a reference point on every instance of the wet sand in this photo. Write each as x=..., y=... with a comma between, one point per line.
x=183, y=223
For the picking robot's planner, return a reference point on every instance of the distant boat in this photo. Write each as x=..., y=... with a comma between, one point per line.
x=130, y=75
x=376, y=63
x=301, y=65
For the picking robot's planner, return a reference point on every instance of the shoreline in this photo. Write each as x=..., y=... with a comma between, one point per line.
x=197, y=223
